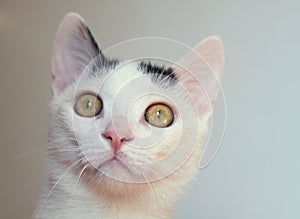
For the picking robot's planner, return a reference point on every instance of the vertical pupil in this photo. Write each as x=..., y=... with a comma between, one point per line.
x=88, y=104
x=158, y=114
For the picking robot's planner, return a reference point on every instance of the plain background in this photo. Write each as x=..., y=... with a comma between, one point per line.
x=256, y=172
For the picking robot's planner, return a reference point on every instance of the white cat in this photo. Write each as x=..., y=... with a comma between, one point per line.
x=124, y=137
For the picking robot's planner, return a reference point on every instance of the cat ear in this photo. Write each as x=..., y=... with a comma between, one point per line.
x=201, y=73
x=74, y=48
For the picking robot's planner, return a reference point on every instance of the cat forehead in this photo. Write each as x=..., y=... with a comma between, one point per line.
x=129, y=83
x=122, y=75
x=139, y=76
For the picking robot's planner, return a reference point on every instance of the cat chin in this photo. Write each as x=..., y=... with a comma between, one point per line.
x=115, y=169
x=115, y=190
x=110, y=171
x=115, y=185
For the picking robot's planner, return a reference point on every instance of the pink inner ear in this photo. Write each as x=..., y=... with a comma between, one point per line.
x=201, y=73
x=73, y=50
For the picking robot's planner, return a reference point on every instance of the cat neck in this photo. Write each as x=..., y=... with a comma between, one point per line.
x=78, y=201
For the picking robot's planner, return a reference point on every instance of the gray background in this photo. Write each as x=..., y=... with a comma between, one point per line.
x=255, y=173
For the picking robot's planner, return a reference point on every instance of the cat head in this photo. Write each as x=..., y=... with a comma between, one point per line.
x=129, y=122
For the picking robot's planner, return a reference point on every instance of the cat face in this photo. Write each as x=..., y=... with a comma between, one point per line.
x=128, y=121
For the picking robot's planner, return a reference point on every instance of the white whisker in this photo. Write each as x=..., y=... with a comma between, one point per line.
x=56, y=183
x=76, y=183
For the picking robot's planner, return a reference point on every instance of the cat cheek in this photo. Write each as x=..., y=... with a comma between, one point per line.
x=161, y=155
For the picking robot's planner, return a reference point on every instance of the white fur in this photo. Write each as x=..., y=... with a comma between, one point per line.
x=156, y=163
x=70, y=197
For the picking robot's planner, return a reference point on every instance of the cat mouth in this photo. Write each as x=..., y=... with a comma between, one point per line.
x=114, y=163
x=115, y=160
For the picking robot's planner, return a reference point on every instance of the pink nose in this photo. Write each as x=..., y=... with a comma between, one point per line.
x=116, y=141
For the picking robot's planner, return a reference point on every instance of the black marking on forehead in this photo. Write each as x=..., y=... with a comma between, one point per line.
x=108, y=63
x=102, y=65
x=149, y=68
x=158, y=74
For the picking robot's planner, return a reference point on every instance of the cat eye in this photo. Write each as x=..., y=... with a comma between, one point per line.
x=159, y=115
x=88, y=105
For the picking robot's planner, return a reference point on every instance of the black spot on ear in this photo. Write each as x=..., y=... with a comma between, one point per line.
x=87, y=35
x=93, y=41
x=158, y=73
x=101, y=64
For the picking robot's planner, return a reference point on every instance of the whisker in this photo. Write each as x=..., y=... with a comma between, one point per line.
x=27, y=153
x=152, y=191
x=56, y=183
x=76, y=183
x=199, y=185
x=43, y=150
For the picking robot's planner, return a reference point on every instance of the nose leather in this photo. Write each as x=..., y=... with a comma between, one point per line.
x=117, y=138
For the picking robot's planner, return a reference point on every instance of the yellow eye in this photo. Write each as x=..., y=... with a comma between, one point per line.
x=88, y=105
x=159, y=115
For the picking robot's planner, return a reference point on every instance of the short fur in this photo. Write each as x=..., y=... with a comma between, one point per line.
x=156, y=164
